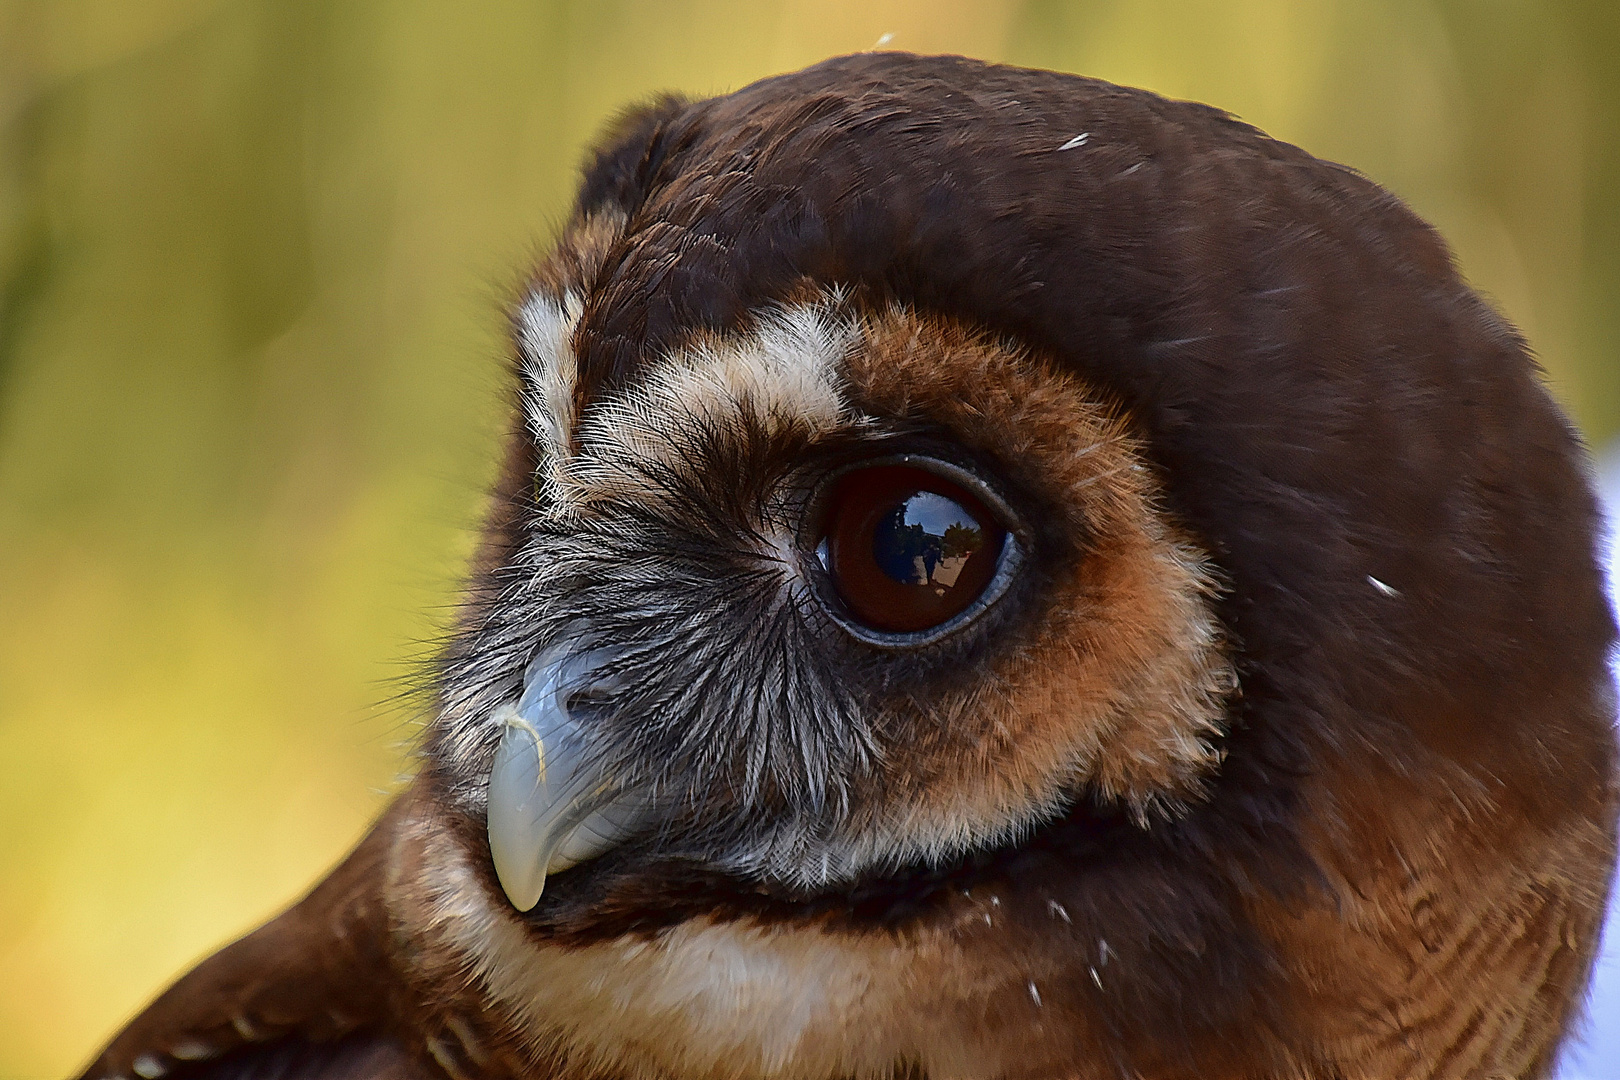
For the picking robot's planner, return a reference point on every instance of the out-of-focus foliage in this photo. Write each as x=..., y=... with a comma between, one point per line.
x=252, y=257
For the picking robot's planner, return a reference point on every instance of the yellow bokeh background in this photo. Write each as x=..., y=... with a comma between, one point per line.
x=252, y=256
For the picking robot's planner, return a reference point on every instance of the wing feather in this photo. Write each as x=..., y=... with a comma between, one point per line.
x=310, y=995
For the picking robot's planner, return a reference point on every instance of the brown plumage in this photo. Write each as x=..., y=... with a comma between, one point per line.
x=1278, y=746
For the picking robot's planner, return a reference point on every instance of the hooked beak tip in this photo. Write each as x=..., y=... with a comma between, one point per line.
x=551, y=804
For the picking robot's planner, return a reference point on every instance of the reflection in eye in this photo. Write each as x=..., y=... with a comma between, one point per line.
x=926, y=540
x=907, y=550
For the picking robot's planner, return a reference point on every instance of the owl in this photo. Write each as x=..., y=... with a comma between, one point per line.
x=994, y=574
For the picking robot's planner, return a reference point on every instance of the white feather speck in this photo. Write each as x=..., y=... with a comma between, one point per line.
x=1078, y=140
x=1386, y=590
x=192, y=1050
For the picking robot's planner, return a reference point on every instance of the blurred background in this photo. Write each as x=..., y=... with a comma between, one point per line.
x=252, y=257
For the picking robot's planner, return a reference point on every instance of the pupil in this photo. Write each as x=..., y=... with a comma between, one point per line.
x=926, y=539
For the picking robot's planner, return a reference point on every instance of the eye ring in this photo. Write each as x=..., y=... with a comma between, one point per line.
x=1009, y=560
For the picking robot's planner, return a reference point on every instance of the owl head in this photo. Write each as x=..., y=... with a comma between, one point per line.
x=995, y=574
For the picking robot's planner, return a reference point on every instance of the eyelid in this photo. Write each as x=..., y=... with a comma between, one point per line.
x=973, y=481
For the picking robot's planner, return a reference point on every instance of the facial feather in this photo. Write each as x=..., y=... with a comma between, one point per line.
x=668, y=532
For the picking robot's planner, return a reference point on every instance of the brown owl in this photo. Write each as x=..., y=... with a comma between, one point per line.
x=995, y=575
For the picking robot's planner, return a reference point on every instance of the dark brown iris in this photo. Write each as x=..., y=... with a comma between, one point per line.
x=907, y=550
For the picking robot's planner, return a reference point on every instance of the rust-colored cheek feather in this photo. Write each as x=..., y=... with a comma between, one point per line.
x=995, y=575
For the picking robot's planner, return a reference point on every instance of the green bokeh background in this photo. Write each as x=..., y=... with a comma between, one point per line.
x=252, y=257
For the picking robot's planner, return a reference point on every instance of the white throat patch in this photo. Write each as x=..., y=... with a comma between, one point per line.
x=727, y=999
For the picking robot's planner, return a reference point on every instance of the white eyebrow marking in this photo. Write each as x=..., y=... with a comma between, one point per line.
x=545, y=328
x=786, y=373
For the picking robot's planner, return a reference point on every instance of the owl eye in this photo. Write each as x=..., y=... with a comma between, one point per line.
x=907, y=550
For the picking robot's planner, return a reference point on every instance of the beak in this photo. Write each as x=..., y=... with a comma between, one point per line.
x=551, y=803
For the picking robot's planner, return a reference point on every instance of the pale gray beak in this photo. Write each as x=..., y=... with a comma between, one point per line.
x=551, y=803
